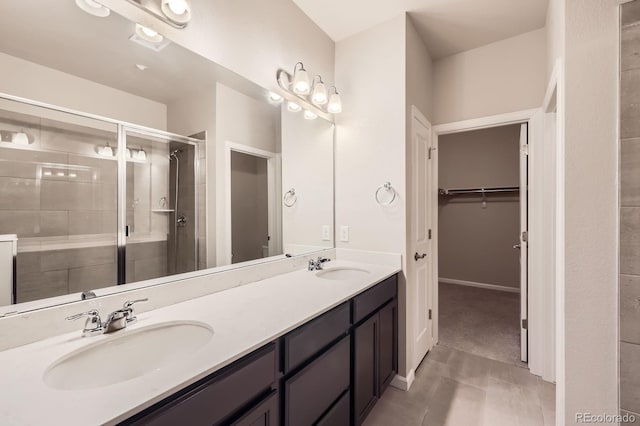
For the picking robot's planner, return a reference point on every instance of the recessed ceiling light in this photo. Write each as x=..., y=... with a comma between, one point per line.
x=178, y=11
x=149, y=38
x=94, y=8
x=142, y=67
x=309, y=115
x=274, y=97
x=293, y=107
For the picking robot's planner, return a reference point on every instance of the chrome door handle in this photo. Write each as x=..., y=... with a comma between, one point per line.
x=517, y=246
x=419, y=256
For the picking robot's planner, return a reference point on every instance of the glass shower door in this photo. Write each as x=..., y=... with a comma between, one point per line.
x=58, y=180
x=161, y=225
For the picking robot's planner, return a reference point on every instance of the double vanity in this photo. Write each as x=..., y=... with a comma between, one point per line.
x=300, y=348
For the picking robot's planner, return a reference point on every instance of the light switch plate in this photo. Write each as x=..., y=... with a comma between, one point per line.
x=344, y=234
x=326, y=233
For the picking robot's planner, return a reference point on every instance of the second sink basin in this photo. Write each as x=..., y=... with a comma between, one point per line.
x=342, y=273
x=128, y=355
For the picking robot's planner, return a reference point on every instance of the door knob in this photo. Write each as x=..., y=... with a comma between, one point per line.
x=419, y=256
x=517, y=246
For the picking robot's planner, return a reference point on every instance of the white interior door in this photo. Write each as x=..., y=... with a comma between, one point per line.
x=524, y=220
x=421, y=255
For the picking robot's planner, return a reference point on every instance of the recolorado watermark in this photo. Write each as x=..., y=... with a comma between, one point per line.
x=605, y=418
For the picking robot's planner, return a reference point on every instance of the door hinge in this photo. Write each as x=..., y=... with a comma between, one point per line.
x=525, y=324
x=429, y=233
x=430, y=151
x=429, y=313
x=525, y=149
x=525, y=236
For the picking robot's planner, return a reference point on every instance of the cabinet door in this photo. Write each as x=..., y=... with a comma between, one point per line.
x=264, y=414
x=365, y=369
x=387, y=347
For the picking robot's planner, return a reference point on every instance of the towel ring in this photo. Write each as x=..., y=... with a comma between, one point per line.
x=387, y=186
x=290, y=198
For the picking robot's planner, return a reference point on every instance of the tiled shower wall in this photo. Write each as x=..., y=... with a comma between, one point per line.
x=630, y=208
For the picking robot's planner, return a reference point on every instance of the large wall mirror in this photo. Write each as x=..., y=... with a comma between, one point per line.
x=125, y=157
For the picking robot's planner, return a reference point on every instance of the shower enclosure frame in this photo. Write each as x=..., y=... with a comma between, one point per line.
x=122, y=128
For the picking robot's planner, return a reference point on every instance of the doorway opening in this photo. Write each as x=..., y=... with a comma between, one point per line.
x=482, y=241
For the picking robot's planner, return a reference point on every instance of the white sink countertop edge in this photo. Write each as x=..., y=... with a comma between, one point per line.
x=243, y=318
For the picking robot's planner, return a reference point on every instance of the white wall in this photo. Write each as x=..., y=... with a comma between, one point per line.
x=501, y=77
x=244, y=120
x=32, y=81
x=307, y=166
x=250, y=37
x=370, y=149
x=591, y=207
x=419, y=73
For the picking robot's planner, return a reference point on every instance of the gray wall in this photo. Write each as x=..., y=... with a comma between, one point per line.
x=475, y=243
x=630, y=210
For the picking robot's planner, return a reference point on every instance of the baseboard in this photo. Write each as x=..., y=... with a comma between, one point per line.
x=480, y=285
x=403, y=383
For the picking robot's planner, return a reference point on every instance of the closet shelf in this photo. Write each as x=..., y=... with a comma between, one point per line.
x=162, y=210
x=488, y=190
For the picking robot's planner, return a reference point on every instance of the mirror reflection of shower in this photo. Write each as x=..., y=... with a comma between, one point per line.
x=173, y=156
x=182, y=201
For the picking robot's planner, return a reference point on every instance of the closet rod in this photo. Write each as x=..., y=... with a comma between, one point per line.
x=489, y=190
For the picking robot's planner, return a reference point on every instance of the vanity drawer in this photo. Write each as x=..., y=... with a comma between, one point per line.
x=339, y=414
x=214, y=400
x=306, y=341
x=372, y=299
x=311, y=392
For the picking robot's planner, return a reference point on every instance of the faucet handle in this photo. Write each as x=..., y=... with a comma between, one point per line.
x=93, y=324
x=128, y=306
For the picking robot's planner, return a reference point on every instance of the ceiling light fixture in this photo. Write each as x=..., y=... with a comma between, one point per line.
x=149, y=34
x=311, y=96
x=149, y=38
x=310, y=115
x=94, y=8
x=275, y=98
x=176, y=13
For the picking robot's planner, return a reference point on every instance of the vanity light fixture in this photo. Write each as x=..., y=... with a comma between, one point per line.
x=176, y=13
x=335, y=103
x=293, y=107
x=20, y=138
x=301, y=84
x=319, y=94
x=105, y=151
x=94, y=8
x=140, y=155
x=311, y=96
x=310, y=115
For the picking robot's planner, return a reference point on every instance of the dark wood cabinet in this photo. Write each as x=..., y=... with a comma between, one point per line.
x=328, y=372
x=365, y=392
x=388, y=345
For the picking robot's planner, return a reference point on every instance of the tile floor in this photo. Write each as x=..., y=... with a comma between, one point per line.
x=455, y=388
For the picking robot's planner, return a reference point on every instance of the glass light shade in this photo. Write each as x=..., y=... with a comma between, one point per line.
x=178, y=11
x=105, y=151
x=319, y=95
x=301, y=83
x=335, y=104
x=293, y=107
x=309, y=115
x=140, y=155
x=148, y=34
x=20, y=138
x=93, y=8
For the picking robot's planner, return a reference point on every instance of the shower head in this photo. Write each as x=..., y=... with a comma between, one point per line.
x=173, y=153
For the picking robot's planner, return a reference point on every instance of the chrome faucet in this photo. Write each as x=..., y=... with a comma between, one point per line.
x=316, y=265
x=117, y=320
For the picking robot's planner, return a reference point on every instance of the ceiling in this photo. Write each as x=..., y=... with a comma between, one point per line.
x=98, y=49
x=446, y=26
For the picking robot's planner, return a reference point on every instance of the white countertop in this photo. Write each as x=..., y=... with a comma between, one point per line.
x=243, y=319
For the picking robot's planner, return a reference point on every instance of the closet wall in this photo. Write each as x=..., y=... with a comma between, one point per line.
x=476, y=242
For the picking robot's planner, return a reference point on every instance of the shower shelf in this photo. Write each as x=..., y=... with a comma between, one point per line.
x=163, y=211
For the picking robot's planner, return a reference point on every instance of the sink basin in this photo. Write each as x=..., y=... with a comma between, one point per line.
x=342, y=273
x=127, y=354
